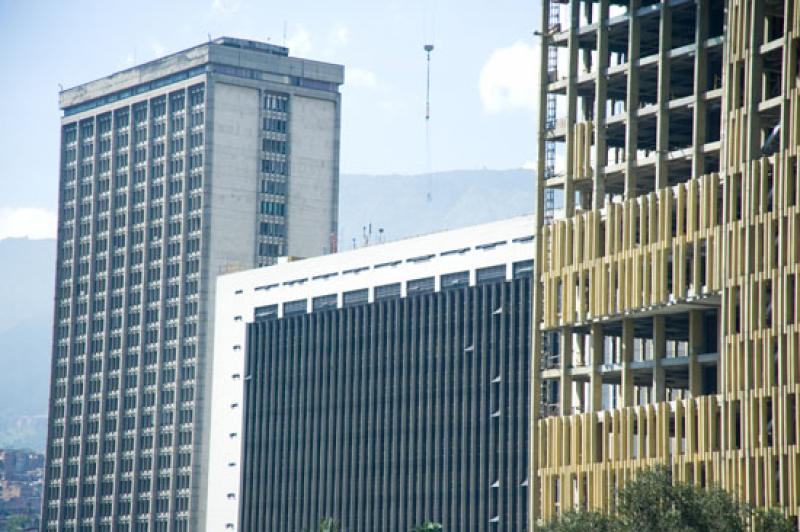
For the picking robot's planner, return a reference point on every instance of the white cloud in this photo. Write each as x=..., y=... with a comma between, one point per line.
x=360, y=78
x=341, y=35
x=27, y=222
x=392, y=107
x=508, y=80
x=299, y=42
x=529, y=165
x=157, y=48
x=225, y=7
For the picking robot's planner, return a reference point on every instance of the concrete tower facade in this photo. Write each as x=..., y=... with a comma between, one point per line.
x=217, y=158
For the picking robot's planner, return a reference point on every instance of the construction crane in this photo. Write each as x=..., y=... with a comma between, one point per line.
x=428, y=49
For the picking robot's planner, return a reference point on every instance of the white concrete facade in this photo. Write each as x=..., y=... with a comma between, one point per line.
x=508, y=242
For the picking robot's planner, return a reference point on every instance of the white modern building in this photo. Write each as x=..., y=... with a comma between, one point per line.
x=220, y=157
x=305, y=350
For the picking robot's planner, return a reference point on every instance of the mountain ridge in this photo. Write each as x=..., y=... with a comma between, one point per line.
x=403, y=205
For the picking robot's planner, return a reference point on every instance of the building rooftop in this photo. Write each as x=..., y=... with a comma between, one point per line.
x=227, y=55
x=469, y=248
x=246, y=44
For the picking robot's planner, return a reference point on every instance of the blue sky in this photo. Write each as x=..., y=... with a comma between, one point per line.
x=483, y=80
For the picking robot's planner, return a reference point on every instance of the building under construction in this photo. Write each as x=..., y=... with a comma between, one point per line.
x=670, y=288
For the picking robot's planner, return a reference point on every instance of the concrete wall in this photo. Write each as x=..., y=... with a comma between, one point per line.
x=230, y=215
x=314, y=177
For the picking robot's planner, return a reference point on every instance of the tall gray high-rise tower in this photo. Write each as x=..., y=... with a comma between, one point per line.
x=220, y=157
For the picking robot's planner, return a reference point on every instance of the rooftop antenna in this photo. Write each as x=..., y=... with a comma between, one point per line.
x=367, y=234
x=284, y=33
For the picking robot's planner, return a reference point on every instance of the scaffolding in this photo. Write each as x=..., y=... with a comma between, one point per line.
x=554, y=25
x=666, y=296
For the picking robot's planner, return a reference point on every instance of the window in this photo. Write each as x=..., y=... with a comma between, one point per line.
x=176, y=145
x=275, y=102
x=157, y=170
x=274, y=146
x=176, y=166
x=178, y=123
x=355, y=297
x=194, y=202
x=157, y=150
x=196, y=95
x=491, y=274
x=269, y=166
x=420, y=286
x=324, y=302
x=140, y=113
x=272, y=229
x=268, y=186
x=70, y=133
x=195, y=161
x=491, y=245
x=266, y=249
x=196, y=119
x=122, y=141
x=185, y=416
x=158, y=106
x=275, y=125
x=267, y=312
x=273, y=208
x=291, y=308
x=523, y=269
x=196, y=139
x=455, y=280
x=422, y=258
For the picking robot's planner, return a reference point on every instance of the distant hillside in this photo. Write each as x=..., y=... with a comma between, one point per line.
x=398, y=204
x=402, y=207
x=26, y=308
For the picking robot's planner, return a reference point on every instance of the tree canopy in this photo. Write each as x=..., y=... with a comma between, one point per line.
x=428, y=526
x=652, y=501
x=329, y=524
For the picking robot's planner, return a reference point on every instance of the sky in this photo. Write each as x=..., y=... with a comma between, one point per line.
x=483, y=78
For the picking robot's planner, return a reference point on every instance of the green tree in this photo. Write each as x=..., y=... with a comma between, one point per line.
x=771, y=521
x=428, y=526
x=653, y=502
x=19, y=522
x=329, y=524
x=579, y=521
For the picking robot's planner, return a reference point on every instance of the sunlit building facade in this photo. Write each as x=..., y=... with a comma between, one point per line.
x=217, y=158
x=672, y=279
